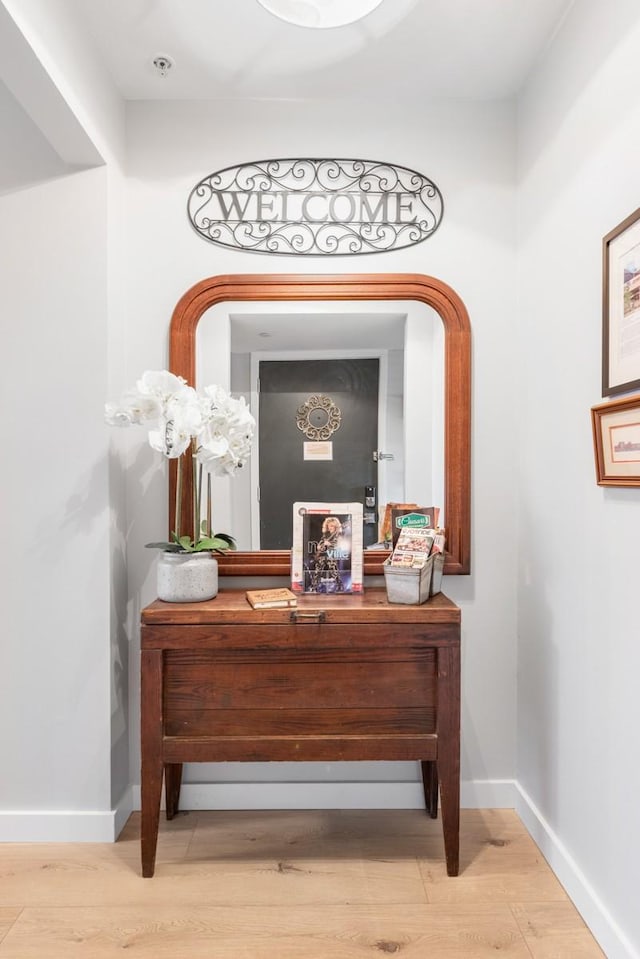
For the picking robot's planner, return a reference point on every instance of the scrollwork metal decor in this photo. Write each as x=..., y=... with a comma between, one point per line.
x=326, y=414
x=316, y=207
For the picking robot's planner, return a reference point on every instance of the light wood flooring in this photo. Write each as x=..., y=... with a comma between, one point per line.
x=291, y=885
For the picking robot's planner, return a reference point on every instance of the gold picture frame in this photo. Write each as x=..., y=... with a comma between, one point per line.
x=621, y=307
x=616, y=442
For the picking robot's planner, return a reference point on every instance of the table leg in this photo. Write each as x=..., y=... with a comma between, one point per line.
x=448, y=762
x=151, y=755
x=172, y=783
x=430, y=784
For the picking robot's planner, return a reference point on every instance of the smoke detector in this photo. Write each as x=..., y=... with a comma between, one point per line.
x=162, y=64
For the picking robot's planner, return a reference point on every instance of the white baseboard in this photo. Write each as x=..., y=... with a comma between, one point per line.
x=475, y=794
x=41, y=825
x=613, y=942
x=74, y=825
x=122, y=812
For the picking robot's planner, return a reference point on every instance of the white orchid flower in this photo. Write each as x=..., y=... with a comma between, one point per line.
x=179, y=423
x=225, y=440
x=160, y=383
x=133, y=410
x=164, y=403
x=221, y=427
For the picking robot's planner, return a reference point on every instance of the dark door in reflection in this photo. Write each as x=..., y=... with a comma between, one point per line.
x=294, y=466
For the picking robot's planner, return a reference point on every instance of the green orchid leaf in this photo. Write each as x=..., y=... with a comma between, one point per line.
x=229, y=540
x=218, y=543
x=212, y=543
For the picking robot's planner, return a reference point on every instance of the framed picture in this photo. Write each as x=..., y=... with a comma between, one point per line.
x=616, y=442
x=621, y=307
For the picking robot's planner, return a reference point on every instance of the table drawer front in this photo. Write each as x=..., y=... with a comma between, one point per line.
x=198, y=680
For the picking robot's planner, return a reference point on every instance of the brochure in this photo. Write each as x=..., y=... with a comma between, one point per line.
x=413, y=548
x=414, y=517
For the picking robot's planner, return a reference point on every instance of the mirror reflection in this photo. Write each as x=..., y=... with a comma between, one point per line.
x=328, y=384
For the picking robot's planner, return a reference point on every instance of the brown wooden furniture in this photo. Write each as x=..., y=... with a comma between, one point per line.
x=338, y=678
x=355, y=286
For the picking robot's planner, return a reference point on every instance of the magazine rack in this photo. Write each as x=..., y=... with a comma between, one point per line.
x=411, y=586
x=414, y=586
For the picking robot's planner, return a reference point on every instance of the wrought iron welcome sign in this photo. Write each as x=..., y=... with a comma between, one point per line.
x=308, y=207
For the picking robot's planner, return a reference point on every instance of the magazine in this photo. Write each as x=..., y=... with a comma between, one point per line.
x=327, y=548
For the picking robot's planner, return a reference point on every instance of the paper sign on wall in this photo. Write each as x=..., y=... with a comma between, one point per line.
x=318, y=450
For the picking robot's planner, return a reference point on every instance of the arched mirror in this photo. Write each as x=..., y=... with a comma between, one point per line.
x=455, y=336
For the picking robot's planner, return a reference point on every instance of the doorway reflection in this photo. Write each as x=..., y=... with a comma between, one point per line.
x=407, y=340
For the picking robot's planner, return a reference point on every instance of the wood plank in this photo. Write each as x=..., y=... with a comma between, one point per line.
x=179, y=831
x=198, y=655
x=307, y=833
x=392, y=641
x=317, y=834
x=554, y=930
x=90, y=881
x=293, y=885
x=231, y=606
x=297, y=748
x=8, y=915
x=499, y=873
x=297, y=722
x=211, y=684
x=201, y=932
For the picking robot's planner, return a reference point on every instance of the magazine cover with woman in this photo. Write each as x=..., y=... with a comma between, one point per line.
x=327, y=548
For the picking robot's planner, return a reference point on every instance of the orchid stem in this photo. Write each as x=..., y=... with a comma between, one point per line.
x=178, y=504
x=196, y=493
x=198, y=531
x=209, y=527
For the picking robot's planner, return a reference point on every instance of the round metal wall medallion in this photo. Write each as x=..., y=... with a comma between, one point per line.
x=318, y=418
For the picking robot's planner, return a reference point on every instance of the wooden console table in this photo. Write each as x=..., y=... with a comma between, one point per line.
x=339, y=678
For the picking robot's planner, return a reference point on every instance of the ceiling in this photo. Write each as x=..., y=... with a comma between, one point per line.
x=270, y=327
x=409, y=49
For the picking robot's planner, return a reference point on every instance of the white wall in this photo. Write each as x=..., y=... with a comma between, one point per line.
x=579, y=650
x=62, y=309
x=54, y=707
x=26, y=157
x=468, y=149
x=53, y=69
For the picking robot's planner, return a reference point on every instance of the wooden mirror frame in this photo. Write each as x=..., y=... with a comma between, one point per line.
x=365, y=286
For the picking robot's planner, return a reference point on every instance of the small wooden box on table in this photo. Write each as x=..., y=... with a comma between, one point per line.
x=338, y=678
